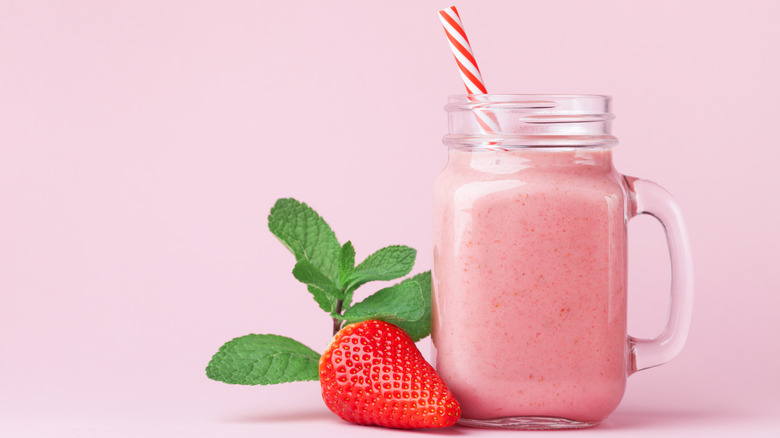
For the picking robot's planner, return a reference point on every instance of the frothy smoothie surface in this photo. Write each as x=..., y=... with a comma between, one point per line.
x=529, y=301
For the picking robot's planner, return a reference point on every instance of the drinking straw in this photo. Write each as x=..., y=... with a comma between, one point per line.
x=467, y=65
x=464, y=56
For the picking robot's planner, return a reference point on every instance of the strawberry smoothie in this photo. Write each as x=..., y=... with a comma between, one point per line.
x=529, y=282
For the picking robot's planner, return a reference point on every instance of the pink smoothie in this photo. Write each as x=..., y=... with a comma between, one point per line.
x=529, y=302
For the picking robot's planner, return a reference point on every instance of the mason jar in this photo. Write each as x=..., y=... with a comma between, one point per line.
x=530, y=271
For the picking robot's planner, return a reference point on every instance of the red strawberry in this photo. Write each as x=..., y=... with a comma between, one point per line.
x=372, y=373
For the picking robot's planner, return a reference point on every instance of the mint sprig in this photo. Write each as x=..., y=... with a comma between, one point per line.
x=328, y=270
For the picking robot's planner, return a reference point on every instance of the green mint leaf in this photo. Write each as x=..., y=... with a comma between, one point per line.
x=422, y=327
x=306, y=273
x=322, y=299
x=346, y=262
x=308, y=237
x=400, y=302
x=263, y=360
x=386, y=264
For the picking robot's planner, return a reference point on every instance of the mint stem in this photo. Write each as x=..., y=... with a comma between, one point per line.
x=336, y=321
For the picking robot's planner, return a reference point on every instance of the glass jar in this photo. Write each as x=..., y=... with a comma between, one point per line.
x=529, y=277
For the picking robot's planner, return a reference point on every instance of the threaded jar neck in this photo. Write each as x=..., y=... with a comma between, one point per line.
x=529, y=120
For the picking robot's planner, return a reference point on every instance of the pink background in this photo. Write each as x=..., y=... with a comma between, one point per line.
x=142, y=144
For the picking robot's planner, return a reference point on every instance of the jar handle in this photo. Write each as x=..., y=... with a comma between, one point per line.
x=649, y=198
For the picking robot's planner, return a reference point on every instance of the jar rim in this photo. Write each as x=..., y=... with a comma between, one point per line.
x=529, y=120
x=565, y=103
x=563, y=95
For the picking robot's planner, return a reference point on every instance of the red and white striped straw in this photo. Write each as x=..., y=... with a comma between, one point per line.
x=464, y=56
x=467, y=65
